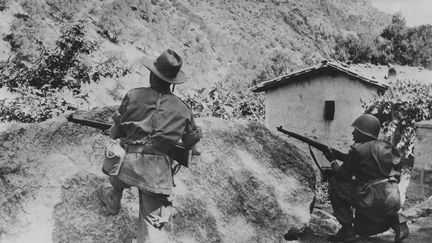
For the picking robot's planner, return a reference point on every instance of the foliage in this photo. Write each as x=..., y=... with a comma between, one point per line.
x=280, y=64
x=357, y=49
x=3, y=4
x=113, y=65
x=322, y=192
x=64, y=10
x=227, y=103
x=401, y=106
x=111, y=27
x=397, y=43
x=41, y=84
x=55, y=69
x=34, y=105
x=24, y=38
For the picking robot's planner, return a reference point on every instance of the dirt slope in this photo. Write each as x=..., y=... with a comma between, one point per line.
x=247, y=186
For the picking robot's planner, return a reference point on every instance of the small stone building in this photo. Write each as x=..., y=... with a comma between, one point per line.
x=320, y=102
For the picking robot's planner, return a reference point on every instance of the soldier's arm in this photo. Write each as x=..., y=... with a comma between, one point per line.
x=349, y=166
x=115, y=131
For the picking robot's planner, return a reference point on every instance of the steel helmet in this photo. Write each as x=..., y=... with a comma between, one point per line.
x=368, y=125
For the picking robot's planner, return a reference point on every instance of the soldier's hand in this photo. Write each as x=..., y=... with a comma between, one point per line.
x=329, y=155
x=328, y=173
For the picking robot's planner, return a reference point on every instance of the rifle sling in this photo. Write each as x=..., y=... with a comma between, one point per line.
x=314, y=159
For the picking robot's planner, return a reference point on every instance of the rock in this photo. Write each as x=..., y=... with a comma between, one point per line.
x=421, y=210
x=323, y=223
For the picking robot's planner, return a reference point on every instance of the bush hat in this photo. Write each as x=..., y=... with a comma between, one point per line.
x=167, y=67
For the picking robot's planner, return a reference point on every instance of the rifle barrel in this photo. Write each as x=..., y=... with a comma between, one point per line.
x=322, y=147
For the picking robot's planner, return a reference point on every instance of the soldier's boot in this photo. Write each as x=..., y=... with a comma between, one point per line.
x=345, y=234
x=400, y=227
x=111, y=197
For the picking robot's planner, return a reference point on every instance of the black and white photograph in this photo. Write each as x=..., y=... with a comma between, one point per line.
x=215, y=121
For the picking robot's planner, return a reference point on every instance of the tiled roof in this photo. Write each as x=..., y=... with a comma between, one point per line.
x=424, y=124
x=323, y=67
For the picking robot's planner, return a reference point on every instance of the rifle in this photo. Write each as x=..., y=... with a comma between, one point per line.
x=181, y=154
x=322, y=147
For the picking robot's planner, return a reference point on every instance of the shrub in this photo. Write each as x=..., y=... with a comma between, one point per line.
x=40, y=86
x=111, y=27
x=357, y=49
x=227, y=103
x=34, y=105
x=113, y=65
x=402, y=105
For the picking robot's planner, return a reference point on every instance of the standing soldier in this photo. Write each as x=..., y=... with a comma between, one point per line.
x=150, y=122
x=365, y=182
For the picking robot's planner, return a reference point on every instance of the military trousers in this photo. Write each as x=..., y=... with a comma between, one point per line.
x=153, y=208
x=370, y=208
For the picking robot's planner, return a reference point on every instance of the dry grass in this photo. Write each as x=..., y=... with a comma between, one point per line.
x=81, y=217
x=194, y=220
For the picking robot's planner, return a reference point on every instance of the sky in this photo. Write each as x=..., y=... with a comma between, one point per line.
x=416, y=12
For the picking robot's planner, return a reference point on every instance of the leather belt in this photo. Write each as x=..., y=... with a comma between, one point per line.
x=142, y=149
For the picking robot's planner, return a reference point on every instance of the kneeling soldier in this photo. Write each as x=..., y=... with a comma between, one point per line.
x=365, y=182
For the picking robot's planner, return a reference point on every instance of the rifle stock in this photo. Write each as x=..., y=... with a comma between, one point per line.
x=179, y=153
x=322, y=147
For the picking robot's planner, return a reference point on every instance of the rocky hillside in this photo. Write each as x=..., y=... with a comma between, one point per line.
x=246, y=186
x=230, y=42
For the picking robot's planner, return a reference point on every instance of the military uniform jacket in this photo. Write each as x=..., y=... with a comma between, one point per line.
x=158, y=120
x=368, y=161
x=376, y=202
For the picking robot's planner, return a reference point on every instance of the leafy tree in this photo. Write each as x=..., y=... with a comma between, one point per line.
x=402, y=105
x=396, y=44
x=396, y=34
x=42, y=85
x=357, y=49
